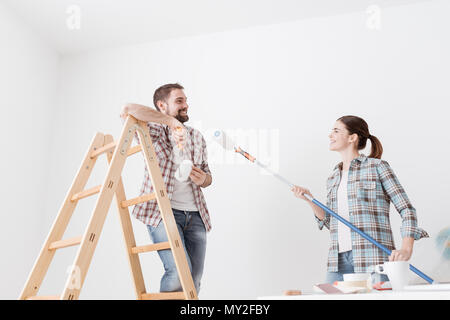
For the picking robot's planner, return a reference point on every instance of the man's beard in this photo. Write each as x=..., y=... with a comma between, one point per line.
x=181, y=118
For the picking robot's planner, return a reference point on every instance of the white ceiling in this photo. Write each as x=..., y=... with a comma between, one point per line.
x=109, y=23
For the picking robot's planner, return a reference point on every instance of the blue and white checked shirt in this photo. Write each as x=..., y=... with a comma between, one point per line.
x=372, y=185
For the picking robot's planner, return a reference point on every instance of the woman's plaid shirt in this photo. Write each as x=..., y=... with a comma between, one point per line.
x=148, y=212
x=372, y=185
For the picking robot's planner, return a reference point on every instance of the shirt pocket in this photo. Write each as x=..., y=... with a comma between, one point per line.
x=367, y=191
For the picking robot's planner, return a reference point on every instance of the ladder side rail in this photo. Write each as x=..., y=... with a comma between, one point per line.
x=61, y=221
x=128, y=234
x=165, y=208
x=91, y=236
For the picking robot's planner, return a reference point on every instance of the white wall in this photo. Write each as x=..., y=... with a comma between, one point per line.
x=28, y=80
x=296, y=78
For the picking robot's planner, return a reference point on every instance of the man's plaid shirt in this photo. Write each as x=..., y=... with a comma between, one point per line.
x=148, y=212
x=372, y=185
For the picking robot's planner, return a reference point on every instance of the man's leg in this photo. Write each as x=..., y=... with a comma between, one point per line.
x=195, y=241
x=170, y=281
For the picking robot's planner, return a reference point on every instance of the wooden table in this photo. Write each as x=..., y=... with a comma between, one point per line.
x=410, y=294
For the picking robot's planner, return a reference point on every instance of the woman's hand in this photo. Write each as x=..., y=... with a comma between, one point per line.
x=405, y=252
x=299, y=191
x=400, y=255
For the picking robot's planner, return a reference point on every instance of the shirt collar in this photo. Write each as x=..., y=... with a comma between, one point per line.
x=357, y=161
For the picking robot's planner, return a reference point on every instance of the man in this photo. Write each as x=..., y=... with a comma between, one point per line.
x=187, y=200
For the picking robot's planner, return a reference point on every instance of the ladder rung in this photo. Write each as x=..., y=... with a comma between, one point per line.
x=163, y=296
x=86, y=193
x=65, y=243
x=103, y=149
x=43, y=298
x=151, y=247
x=144, y=198
x=112, y=145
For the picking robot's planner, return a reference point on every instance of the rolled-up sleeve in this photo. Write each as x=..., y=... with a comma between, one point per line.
x=204, y=164
x=326, y=220
x=397, y=195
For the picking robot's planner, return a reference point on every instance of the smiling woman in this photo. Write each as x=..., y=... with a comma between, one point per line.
x=360, y=190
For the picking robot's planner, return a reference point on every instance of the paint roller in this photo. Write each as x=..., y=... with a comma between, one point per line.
x=228, y=144
x=185, y=167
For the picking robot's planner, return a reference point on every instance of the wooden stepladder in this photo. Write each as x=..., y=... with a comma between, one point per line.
x=117, y=153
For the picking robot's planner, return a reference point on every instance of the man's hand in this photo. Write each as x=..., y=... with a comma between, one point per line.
x=124, y=113
x=198, y=176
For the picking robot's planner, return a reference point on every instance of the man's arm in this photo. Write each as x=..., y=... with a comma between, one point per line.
x=148, y=114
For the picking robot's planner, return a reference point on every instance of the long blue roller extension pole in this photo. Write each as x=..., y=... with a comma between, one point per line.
x=228, y=144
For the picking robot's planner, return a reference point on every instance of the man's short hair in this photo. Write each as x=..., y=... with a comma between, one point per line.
x=163, y=92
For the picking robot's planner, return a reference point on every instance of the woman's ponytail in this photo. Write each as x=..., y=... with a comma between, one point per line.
x=376, y=149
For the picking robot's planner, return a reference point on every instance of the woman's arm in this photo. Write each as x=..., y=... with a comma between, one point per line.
x=397, y=195
x=299, y=193
x=319, y=213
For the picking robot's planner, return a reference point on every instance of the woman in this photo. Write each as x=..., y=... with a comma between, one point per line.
x=360, y=190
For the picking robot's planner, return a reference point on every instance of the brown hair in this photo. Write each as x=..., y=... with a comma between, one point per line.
x=357, y=125
x=163, y=92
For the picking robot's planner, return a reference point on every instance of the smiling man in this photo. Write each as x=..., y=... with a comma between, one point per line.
x=186, y=197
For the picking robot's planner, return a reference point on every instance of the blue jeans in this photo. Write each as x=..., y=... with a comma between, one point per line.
x=193, y=235
x=345, y=265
